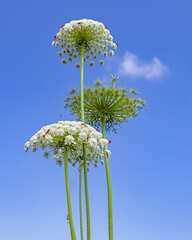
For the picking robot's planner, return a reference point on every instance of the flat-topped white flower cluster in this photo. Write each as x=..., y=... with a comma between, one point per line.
x=71, y=134
x=93, y=35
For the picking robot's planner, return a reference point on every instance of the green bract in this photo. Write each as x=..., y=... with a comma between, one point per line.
x=112, y=104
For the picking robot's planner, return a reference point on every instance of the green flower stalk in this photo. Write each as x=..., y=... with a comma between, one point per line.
x=88, y=40
x=106, y=107
x=68, y=193
x=110, y=211
x=84, y=159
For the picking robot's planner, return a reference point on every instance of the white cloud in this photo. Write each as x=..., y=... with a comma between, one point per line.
x=134, y=67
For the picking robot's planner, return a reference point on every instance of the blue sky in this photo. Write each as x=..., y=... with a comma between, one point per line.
x=151, y=161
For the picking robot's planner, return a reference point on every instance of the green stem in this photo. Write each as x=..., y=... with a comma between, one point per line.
x=82, y=94
x=86, y=193
x=80, y=206
x=110, y=214
x=84, y=148
x=82, y=119
x=73, y=237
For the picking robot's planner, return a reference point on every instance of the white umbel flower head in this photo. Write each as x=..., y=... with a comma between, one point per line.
x=93, y=35
x=54, y=138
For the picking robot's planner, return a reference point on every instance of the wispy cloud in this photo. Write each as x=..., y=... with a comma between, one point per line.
x=132, y=66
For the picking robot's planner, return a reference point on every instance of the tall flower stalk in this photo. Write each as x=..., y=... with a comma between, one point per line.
x=84, y=154
x=82, y=93
x=80, y=204
x=110, y=211
x=68, y=193
x=84, y=158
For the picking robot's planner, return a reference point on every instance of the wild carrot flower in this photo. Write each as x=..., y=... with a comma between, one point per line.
x=95, y=37
x=72, y=134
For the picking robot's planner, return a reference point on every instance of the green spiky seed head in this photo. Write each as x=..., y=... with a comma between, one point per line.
x=105, y=102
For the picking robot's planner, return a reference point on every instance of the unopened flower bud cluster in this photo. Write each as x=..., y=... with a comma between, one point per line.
x=72, y=134
x=93, y=35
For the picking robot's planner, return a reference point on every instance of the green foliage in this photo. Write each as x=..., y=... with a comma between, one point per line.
x=113, y=104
